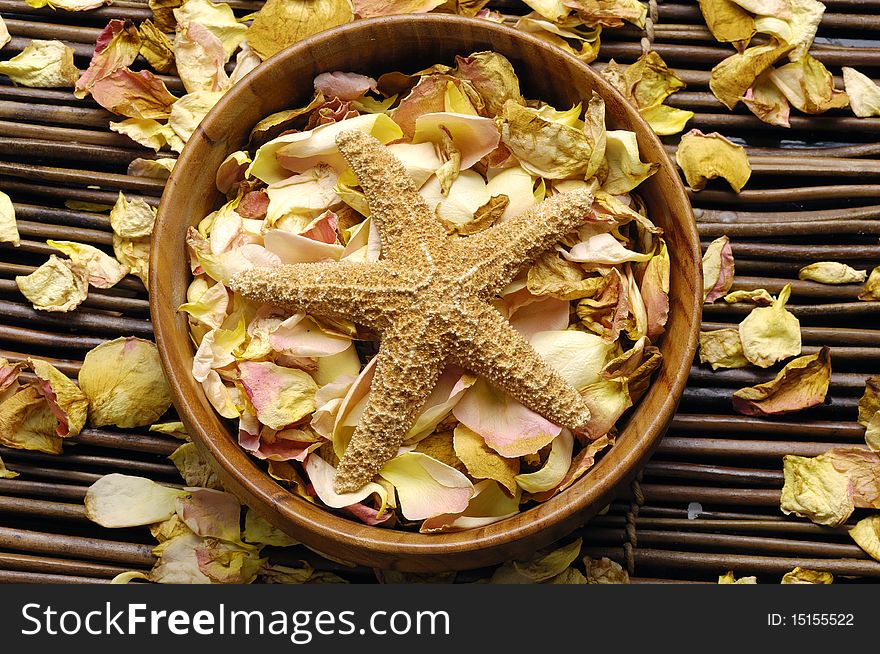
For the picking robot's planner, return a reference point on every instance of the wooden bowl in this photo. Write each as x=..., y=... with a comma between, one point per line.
x=373, y=47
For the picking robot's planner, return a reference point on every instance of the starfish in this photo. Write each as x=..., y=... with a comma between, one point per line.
x=428, y=297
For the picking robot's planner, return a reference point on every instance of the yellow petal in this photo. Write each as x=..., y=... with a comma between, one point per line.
x=124, y=382
x=5, y=473
x=545, y=148
x=281, y=23
x=4, y=33
x=200, y=59
x=298, y=152
x=871, y=291
x=759, y=296
x=649, y=81
x=134, y=253
x=68, y=403
x=832, y=272
x=152, y=168
x=733, y=76
x=549, y=9
x=864, y=94
x=544, y=565
x=426, y=487
x=562, y=33
x=801, y=384
x=149, y=132
x=866, y=534
x=706, y=156
x=481, y=461
x=156, y=47
x=610, y=13
x=489, y=504
x=175, y=428
x=771, y=334
x=8, y=226
x=136, y=95
x=132, y=219
x=57, y=285
x=721, y=348
x=68, y=5
x=473, y=136
x=795, y=24
x=188, y=111
x=728, y=22
x=862, y=468
x=194, y=468
x=665, y=120
x=260, y=531
x=217, y=18
x=805, y=576
x=814, y=489
x=554, y=469
x=869, y=412
x=493, y=77
x=626, y=170
x=104, y=270
x=280, y=395
x=766, y=101
x=117, y=46
x=729, y=578
x=718, y=269
x=42, y=64
x=117, y=500
x=604, y=571
x=27, y=422
x=809, y=86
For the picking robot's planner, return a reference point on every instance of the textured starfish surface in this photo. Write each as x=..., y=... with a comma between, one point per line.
x=428, y=297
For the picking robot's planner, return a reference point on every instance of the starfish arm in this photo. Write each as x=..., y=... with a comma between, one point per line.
x=400, y=214
x=350, y=291
x=495, y=256
x=493, y=349
x=407, y=369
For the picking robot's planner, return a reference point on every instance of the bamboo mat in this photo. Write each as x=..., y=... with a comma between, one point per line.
x=707, y=502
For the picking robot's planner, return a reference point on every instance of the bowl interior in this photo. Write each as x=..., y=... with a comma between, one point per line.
x=408, y=44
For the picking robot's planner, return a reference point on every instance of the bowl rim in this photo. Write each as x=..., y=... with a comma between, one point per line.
x=315, y=525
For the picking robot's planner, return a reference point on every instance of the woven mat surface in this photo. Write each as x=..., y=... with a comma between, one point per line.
x=706, y=503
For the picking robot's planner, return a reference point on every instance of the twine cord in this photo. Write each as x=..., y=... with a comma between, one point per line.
x=631, y=517
x=653, y=17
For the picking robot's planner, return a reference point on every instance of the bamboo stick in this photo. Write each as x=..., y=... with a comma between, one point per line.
x=787, y=229
x=55, y=474
x=841, y=310
x=128, y=441
x=814, y=429
x=67, y=366
x=47, y=340
x=19, y=577
x=145, y=468
x=77, y=547
x=42, y=508
x=14, y=561
x=704, y=541
x=823, y=335
x=712, y=473
x=47, y=150
x=145, y=185
x=718, y=564
x=841, y=382
x=741, y=448
x=62, y=193
x=70, y=135
x=711, y=495
x=19, y=486
x=799, y=526
x=59, y=115
x=63, y=232
x=66, y=217
x=88, y=321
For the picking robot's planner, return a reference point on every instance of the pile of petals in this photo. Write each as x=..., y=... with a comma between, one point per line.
x=479, y=153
